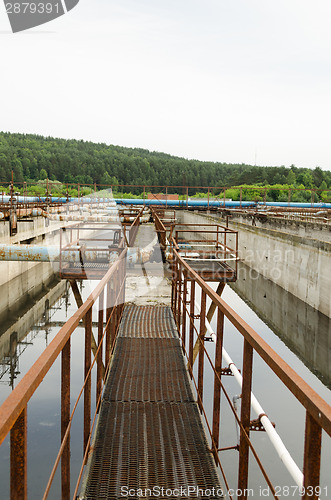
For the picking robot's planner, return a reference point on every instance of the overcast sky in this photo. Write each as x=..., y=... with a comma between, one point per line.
x=223, y=80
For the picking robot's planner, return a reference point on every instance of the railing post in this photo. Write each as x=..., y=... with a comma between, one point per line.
x=117, y=299
x=245, y=419
x=312, y=458
x=18, y=458
x=172, y=267
x=100, y=334
x=184, y=311
x=201, y=348
x=113, y=318
x=191, y=339
x=176, y=290
x=87, y=390
x=217, y=385
x=65, y=419
x=108, y=313
x=179, y=297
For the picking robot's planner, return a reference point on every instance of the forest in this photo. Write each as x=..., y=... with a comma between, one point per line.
x=34, y=158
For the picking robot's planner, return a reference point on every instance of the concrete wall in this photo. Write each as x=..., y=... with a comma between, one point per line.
x=306, y=331
x=29, y=316
x=300, y=265
x=316, y=230
x=19, y=279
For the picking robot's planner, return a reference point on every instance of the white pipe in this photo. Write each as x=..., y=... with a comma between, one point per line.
x=208, y=260
x=274, y=437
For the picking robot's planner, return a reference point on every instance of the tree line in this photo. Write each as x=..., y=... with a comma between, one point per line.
x=35, y=158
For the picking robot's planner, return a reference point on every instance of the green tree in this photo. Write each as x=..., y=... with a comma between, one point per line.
x=43, y=174
x=291, y=177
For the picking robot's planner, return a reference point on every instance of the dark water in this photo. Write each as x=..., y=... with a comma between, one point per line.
x=295, y=331
x=302, y=337
x=20, y=346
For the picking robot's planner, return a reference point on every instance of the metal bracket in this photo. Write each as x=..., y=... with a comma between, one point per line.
x=208, y=339
x=255, y=425
x=195, y=316
x=226, y=371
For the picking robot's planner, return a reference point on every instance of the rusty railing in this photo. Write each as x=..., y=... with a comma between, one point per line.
x=318, y=413
x=13, y=412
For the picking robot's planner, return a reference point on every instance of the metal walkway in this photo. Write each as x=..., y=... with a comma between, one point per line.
x=149, y=435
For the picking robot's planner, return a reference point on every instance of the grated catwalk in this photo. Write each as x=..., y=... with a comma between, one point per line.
x=149, y=434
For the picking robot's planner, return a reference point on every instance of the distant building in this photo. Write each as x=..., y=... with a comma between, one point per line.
x=161, y=196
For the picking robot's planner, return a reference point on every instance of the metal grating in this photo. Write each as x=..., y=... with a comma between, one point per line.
x=148, y=370
x=91, y=265
x=147, y=322
x=150, y=446
x=149, y=434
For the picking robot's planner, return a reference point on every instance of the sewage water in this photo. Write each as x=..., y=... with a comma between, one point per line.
x=302, y=337
x=299, y=334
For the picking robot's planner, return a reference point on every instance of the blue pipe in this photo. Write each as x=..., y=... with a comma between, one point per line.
x=175, y=203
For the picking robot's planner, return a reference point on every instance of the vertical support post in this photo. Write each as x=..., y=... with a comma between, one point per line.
x=241, y=196
x=217, y=385
x=224, y=197
x=208, y=198
x=225, y=243
x=65, y=419
x=18, y=458
x=245, y=419
x=237, y=250
x=60, y=257
x=144, y=193
x=175, y=289
x=173, y=276
x=192, y=306
x=312, y=458
x=100, y=333
x=87, y=390
x=117, y=300
x=108, y=314
x=201, y=348
x=166, y=197
x=289, y=196
x=113, y=317
x=186, y=197
x=184, y=311
x=123, y=281
x=265, y=196
x=179, y=296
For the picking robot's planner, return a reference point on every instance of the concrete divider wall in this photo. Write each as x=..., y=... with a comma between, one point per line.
x=300, y=265
x=17, y=279
x=304, y=329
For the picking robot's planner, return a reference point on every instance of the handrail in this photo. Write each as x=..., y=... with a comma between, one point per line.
x=318, y=412
x=13, y=410
x=134, y=227
x=316, y=405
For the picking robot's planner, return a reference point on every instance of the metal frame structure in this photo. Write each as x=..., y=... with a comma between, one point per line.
x=214, y=260
x=13, y=412
x=185, y=284
x=75, y=234
x=318, y=412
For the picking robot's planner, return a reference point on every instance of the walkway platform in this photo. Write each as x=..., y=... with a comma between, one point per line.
x=149, y=441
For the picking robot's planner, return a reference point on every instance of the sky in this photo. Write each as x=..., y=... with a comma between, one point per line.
x=236, y=81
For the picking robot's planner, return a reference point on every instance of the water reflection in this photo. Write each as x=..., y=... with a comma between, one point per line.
x=306, y=331
x=19, y=333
